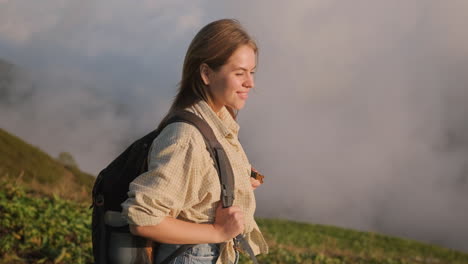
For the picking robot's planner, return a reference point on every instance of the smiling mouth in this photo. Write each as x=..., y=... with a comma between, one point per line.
x=243, y=95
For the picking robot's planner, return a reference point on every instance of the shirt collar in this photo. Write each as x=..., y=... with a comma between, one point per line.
x=224, y=123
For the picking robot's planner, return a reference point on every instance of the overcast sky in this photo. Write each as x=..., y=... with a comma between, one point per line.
x=358, y=118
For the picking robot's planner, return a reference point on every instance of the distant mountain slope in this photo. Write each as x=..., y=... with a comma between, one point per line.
x=22, y=162
x=6, y=78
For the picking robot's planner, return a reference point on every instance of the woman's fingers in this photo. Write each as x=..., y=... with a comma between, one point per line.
x=255, y=183
x=229, y=221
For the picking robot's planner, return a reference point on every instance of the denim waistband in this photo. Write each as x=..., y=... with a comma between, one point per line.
x=200, y=251
x=204, y=250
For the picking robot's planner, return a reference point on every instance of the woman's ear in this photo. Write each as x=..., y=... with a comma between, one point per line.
x=205, y=73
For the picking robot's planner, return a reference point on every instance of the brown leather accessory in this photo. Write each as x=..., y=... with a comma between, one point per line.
x=256, y=175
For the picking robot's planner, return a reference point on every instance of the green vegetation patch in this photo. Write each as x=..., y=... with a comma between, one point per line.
x=294, y=242
x=42, y=229
x=48, y=229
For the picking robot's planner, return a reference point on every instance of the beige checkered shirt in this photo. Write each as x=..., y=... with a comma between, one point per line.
x=182, y=181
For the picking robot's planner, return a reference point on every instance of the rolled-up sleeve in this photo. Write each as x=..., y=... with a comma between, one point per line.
x=166, y=189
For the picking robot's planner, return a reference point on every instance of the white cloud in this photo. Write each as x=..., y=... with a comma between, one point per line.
x=353, y=106
x=93, y=28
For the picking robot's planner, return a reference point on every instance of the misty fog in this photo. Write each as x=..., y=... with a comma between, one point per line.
x=358, y=117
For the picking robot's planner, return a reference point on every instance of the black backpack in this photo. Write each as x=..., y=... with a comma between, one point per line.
x=112, y=184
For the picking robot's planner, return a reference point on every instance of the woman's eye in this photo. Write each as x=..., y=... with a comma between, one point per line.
x=239, y=73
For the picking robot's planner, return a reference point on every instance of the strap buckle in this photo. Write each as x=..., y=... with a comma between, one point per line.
x=237, y=246
x=239, y=240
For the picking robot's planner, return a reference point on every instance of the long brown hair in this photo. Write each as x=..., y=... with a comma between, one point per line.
x=213, y=45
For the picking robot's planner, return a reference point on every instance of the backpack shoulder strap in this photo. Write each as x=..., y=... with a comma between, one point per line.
x=223, y=166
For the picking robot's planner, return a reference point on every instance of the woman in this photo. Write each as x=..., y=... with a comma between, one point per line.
x=178, y=200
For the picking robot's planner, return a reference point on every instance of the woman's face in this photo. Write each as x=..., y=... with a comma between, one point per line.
x=231, y=83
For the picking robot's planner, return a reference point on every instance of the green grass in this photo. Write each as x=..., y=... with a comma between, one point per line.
x=42, y=229
x=22, y=162
x=40, y=224
x=294, y=242
x=49, y=229
x=81, y=178
x=19, y=158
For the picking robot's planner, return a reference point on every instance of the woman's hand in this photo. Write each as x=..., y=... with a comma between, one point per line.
x=229, y=222
x=255, y=183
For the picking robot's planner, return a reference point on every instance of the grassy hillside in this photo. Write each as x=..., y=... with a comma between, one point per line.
x=53, y=230
x=40, y=223
x=23, y=163
x=293, y=242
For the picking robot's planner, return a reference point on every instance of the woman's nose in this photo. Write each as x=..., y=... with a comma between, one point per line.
x=249, y=82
